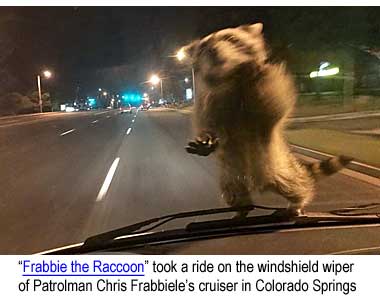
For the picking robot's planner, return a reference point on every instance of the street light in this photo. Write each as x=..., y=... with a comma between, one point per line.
x=99, y=89
x=47, y=74
x=154, y=79
x=186, y=80
x=181, y=55
x=104, y=93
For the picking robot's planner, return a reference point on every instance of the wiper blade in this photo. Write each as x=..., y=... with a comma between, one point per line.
x=100, y=239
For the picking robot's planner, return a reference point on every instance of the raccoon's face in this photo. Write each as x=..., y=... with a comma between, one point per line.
x=217, y=56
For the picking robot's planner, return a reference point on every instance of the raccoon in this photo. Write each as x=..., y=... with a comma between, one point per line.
x=242, y=106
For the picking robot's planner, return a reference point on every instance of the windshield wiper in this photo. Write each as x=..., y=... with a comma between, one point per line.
x=279, y=219
x=95, y=240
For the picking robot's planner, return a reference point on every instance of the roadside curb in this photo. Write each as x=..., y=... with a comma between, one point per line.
x=321, y=118
x=354, y=165
x=181, y=110
x=21, y=116
x=185, y=111
x=337, y=117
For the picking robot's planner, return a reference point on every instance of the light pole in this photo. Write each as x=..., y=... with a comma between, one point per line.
x=193, y=75
x=154, y=79
x=162, y=91
x=181, y=55
x=47, y=74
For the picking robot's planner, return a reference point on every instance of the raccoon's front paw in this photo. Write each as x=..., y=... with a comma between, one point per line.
x=203, y=145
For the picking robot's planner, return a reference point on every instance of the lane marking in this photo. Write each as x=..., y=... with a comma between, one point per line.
x=329, y=155
x=129, y=130
x=133, y=121
x=108, y=117
x=347, y=172
x=107, y=180
x=367, y=166
x=100, y=113
x=336, y=117
x=67, y=132
x=96, y=121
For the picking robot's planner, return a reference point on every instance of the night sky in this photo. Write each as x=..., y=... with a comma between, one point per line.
x=117, y=47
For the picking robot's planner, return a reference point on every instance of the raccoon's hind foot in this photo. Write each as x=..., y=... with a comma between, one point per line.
x=288, y=213
x=295, y=209
x=203, y=145
x=241, y=214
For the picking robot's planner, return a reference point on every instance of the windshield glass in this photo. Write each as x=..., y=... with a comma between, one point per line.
x=113, y=115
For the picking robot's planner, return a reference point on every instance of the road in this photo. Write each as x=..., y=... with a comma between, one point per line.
x=67, y=176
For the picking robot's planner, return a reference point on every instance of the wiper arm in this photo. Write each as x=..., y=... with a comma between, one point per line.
x=278, y=219
x=101, y=239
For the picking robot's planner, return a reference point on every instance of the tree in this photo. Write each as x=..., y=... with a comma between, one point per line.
x=15, y=103
x=46, y=100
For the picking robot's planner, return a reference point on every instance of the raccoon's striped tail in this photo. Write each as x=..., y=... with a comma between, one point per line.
x=328, y=167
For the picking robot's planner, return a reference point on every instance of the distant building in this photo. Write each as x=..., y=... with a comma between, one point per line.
x=359, y=71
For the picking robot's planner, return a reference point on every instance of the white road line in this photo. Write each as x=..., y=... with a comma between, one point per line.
x=129, y=130
x=354, y=174
x=329, y=155
x=107, y=181
x=100, y=113
x=133, y=121
x=108, y=117
x=67, y=132
x=367, y=166
x=93, y=122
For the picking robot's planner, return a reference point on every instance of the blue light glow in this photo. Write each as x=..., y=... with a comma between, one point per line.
x=131, y=98
x=91, y=101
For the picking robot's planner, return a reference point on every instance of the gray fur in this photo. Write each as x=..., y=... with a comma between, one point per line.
x=242, y=106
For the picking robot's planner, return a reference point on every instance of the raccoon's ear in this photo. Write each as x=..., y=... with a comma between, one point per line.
x=254, y=28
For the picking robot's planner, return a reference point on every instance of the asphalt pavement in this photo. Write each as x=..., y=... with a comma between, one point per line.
x=66, y=176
